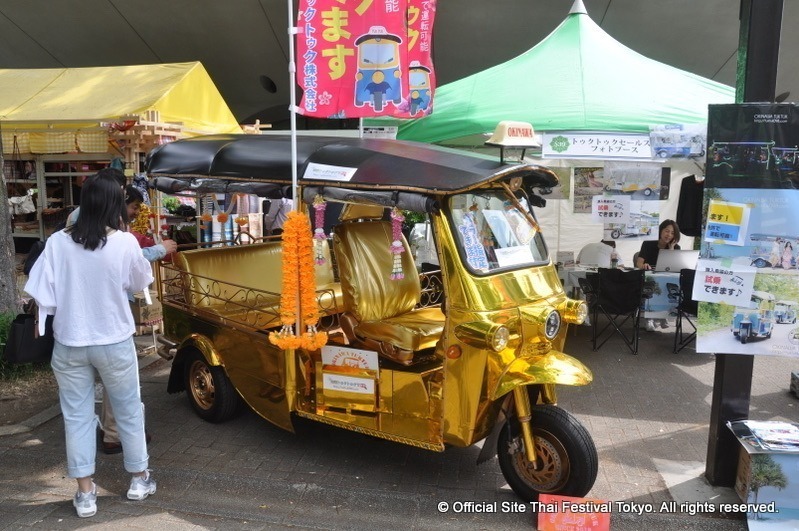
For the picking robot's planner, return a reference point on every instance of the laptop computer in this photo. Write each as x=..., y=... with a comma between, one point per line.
x=675, y=259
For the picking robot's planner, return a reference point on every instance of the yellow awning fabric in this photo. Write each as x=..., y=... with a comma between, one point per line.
x=80, y=98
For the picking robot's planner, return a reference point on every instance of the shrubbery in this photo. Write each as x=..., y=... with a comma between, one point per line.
x=12, y=371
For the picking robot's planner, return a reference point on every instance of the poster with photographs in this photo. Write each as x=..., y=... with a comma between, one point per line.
x=639, y=180
x=588, y=182
x=750, y=243
x=642, y=224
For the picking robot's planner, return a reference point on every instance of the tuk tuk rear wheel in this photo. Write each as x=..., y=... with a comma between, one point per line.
x=210, y=392
x=567, y=456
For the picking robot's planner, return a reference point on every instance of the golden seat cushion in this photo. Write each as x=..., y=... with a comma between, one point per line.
x=413, y=331
x=365, y=262
x=383, y=309
x=218, y=273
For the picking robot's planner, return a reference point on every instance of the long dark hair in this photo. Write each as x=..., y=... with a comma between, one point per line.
x=102, y=206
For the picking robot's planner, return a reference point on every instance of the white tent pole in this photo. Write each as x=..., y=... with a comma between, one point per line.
x=293, y=31
x=293, y=106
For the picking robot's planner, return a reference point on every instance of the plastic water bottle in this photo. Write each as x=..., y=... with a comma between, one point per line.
x=614, y=259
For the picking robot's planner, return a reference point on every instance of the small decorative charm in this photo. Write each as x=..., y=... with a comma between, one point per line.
x=319, y=206
x=241, y=220
x=396, y=245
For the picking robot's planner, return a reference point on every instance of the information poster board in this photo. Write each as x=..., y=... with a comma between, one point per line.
x=747, y=279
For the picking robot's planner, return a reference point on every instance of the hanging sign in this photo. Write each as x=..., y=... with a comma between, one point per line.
x=365, y=58
x=726, y=222
x=748, y=280
x=721, y=281
x=610, y=209
x=606, y=146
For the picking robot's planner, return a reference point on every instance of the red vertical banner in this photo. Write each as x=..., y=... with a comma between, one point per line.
x=421, y=76
x=357, y=58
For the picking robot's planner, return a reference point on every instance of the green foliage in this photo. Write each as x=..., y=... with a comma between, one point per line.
x=171, y=204
x=10, y=371
x=766, y=473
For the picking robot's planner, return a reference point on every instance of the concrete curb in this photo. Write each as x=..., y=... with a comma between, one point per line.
x=55, y=410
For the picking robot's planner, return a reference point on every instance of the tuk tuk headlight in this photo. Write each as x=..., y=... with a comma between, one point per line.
x=499, y=339
x=574, y=311
x=484, y=335
x=552, y=325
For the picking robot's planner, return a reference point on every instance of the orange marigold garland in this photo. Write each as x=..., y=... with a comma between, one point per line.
x=299, y=281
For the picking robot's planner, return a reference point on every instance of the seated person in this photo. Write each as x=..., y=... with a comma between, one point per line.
x=668, y=236
x=598, y=254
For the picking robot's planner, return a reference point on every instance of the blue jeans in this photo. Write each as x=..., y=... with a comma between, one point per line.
x=74, y=369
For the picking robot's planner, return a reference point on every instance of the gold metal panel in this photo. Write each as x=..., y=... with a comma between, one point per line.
x=255, y=367
x=552, y=367
x=357, y=426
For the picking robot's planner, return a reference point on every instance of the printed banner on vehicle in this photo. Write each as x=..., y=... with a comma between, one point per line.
x=365, y=58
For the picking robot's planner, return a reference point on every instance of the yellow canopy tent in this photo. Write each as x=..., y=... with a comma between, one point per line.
x=75, y=107
x=61, y=124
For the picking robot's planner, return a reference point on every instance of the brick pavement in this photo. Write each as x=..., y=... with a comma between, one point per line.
x=648, y=415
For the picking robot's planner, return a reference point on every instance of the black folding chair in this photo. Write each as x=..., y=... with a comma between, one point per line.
x=616, y=294
x=687, y=310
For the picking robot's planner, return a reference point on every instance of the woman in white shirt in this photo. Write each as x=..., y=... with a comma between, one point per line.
x=83, y=277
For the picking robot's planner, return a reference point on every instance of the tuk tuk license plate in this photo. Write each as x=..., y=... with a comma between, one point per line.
x=346, y=388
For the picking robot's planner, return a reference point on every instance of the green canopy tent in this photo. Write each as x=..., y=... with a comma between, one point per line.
x=578, y=79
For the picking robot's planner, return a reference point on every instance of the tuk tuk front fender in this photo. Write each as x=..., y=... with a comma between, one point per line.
x=551, y=368
x=193, y=342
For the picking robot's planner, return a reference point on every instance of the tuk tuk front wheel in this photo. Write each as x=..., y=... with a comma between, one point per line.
x=210, y=392
x=567, y=457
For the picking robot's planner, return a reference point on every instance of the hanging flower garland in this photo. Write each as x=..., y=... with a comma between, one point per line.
x=142, y=222
x=320, y=239
x=242, y=218
x=396, y=245
x=299, y=282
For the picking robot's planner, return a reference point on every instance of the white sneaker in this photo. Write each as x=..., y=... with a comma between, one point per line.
x=141, y=487
x=86, y=502
x=650, y=325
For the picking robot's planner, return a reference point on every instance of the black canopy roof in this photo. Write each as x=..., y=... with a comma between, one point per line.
x=364, y=164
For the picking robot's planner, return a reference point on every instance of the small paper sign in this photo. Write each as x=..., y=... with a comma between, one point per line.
x=348, y=384
x=610, y=209
x=565, y=513
x=350, y=357
x=727, y=222
x=721, y=281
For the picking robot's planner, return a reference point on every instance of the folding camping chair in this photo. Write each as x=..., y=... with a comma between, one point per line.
x=687, y=310
x=616, y=294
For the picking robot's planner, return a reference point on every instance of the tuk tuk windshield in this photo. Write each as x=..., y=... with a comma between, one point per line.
x=493, y=234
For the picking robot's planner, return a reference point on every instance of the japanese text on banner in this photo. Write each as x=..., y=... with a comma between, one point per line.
x=360, y=58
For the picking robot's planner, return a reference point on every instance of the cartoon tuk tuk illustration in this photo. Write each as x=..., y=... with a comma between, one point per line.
x=420, y=87
x=378, y=78
x=447, y=354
